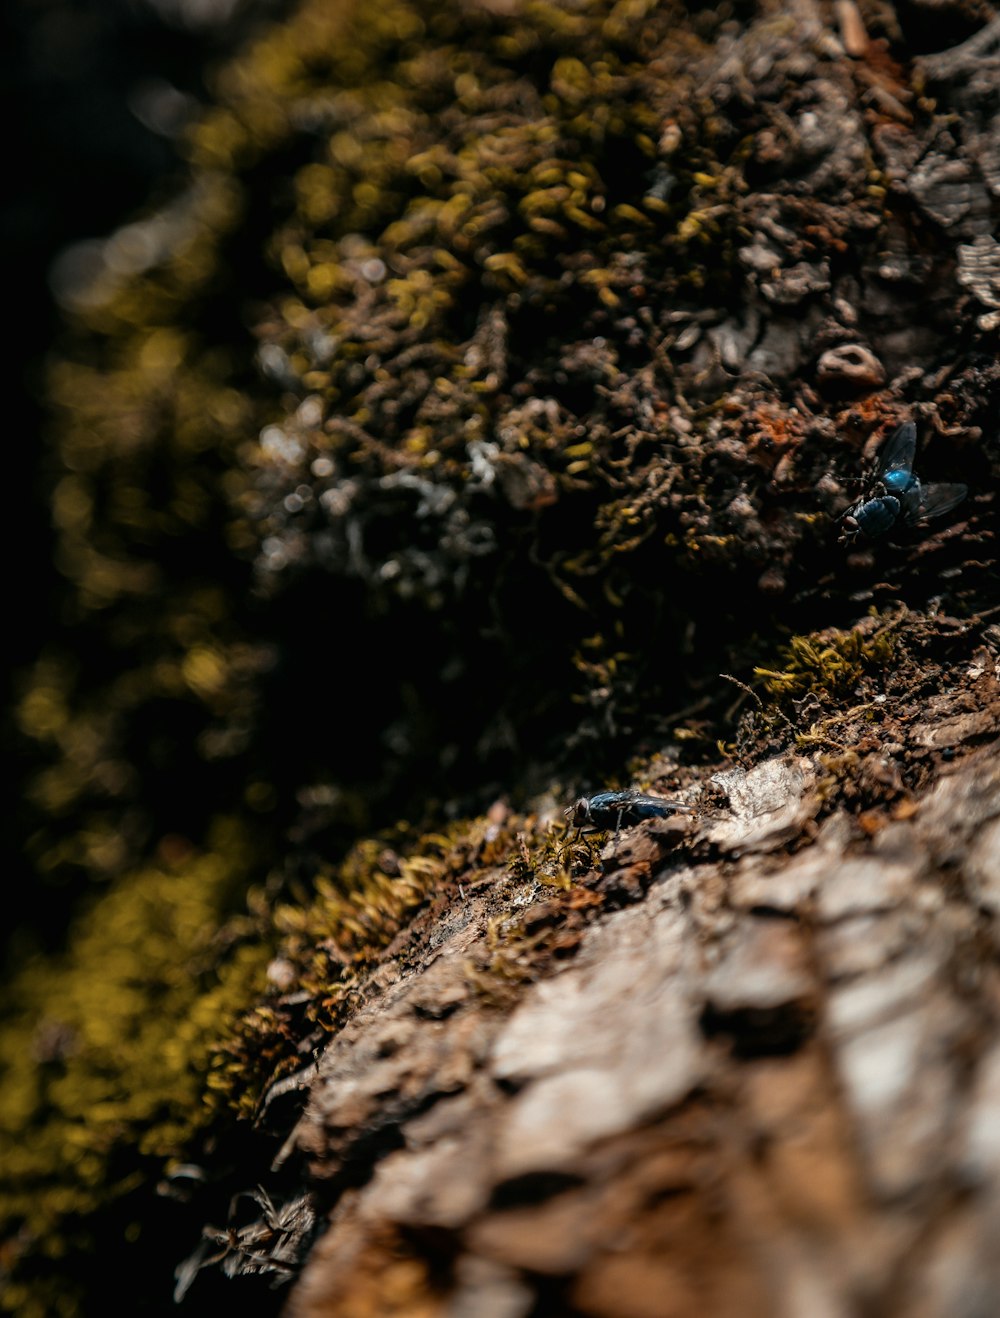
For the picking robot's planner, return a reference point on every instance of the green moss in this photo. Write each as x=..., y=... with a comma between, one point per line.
x=831, y=664
x=552, y=855
x=170, y=1015
x=831, y=683
x=104, y=1050
x=412, y=143
x=325, y=945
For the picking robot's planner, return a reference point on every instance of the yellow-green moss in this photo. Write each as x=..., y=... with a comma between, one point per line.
x=411, y=146
x=829, y=679
x=104, y=1049
x=168, y=1013
x=831, y=663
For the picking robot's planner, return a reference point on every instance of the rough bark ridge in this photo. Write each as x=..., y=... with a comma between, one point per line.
x=714, y=1109
x=747, y=1065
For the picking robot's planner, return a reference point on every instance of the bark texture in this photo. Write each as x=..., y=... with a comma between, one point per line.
x=481, y=429
x=766, y=1082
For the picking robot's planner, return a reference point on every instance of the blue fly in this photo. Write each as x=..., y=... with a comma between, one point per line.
x=612, y=809
x=896, y=494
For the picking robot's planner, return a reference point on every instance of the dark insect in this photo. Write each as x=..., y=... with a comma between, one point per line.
x=612, y=809
x=896, y=495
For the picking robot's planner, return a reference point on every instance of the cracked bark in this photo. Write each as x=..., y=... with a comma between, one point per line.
x=767, y=1083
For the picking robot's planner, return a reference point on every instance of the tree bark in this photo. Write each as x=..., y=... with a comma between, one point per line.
x=759, y=1075
x=575, y=354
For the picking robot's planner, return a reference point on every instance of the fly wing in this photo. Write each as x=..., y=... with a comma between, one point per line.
x=653, y=807
x=935, y=501
x=898, y=452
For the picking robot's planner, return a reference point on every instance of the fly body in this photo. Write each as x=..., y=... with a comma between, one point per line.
x=896, y=494
x=613, y=809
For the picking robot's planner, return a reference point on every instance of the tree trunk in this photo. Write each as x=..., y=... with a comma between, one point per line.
x=582, y=335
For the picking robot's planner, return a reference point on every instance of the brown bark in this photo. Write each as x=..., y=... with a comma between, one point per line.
x=765, y=1082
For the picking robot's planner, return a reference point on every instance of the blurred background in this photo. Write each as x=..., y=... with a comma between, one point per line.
x=95, y=94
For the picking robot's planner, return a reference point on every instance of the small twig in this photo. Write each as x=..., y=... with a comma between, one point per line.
x=731, y=712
